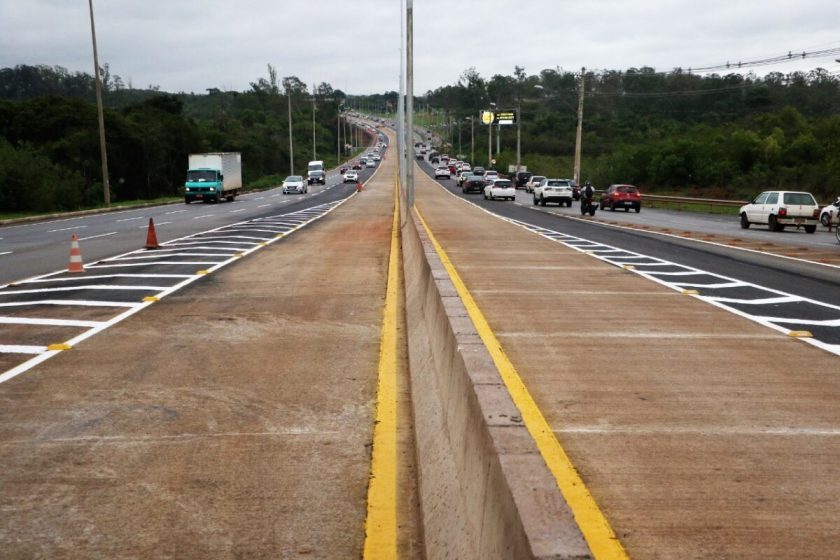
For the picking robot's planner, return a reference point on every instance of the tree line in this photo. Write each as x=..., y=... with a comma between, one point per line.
x=724, y=136
x=49, y=143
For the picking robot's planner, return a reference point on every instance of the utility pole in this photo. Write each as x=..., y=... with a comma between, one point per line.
x=579, y=127
x=338, y=134
x=314, y=156
x=518, y=134
x=291, y=144
x=409, y=86
x=498, y=137
x=472, y=140
x=401, y=147
x=103, y=152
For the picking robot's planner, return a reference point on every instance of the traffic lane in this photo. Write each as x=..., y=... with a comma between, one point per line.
x=38, y=248
x=805, y=279
x=694, y=429
x=727, y=228
x=201, y=426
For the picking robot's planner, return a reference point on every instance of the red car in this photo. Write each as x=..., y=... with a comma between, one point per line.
x=342, y=170
x=622, y=196
x=357, y=166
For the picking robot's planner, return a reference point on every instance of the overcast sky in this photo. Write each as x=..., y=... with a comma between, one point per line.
x=192, y=45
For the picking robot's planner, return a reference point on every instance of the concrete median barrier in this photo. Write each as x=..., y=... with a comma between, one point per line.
x=485, y=491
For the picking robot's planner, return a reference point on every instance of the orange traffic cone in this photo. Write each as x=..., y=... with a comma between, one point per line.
x=75, y=256
x=360, y=187
x=151, y=236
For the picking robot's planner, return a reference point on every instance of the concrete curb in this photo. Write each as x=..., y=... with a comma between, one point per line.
x=485, y=490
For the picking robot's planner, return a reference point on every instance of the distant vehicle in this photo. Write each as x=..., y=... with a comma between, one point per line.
x=316, y=173
x=521, y=178
x=357, y=166
x=342, y=170
x=295, y=184
x=621, y=196
x=362, y=162
x=478, y=171
x=213, y=176
x=831, y=213
x=376, y=157
x=473, y=183
x=350, y=177
x=532, y=182
x=453, y=169
x=442, y=172
x=553, y=190
x=779, y=209
x=466, y=167
x=463, y=177
x=491, y=174
x=499, y=188
x=371, y=162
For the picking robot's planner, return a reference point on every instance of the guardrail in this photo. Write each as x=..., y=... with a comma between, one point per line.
x=652, y=200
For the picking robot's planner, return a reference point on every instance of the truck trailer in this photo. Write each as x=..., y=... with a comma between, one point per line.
x=213, y=176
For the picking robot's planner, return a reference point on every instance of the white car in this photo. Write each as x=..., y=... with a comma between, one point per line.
x=466, y=167
x=491, y=174
x=376, y=157
x=779, y=209
x=350, y=177
x=499, y=188
x=371, y=163
x=831, y=213
x=442, y=172
x=554, y=190
x=533, y=182
x=295, y=184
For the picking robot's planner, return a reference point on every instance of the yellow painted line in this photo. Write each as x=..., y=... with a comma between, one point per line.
x=592, y=522
x=62, y=346
x=801, y=334
x=151, y=299
x=381, y=521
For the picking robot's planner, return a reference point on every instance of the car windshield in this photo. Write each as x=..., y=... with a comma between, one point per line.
x=294, y=179
x=799, y=198
x=201, y=175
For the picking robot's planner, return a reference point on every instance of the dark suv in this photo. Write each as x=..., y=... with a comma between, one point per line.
x=473, y=183
x=622, y=196
x=520, y=179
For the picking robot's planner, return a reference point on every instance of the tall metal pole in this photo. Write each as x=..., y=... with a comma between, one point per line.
x=409, y=90
x=489, y=145
x=314, y=155
x=518, y=134
x=291, y=145
x=579, y=127
x=472, y=140
x=103, y=152
x=498, y=137
x=401, y=147
x=338, y=135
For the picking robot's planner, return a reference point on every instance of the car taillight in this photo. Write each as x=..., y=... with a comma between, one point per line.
x=816, y=213
x=782, y=211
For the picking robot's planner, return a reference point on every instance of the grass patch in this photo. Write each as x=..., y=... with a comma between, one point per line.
x=697, y=207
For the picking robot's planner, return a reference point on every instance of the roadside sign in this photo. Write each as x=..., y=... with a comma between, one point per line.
x=487, y=117
x=505, y=117
x=493, y=161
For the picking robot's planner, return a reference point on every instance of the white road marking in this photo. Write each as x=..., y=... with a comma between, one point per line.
x=48, y=322
x=98, y=236
x=131, y=219
x=175, y=212
x=203, y=216
x=66, y=229
x=6, y=253
x=156, y=223
x=236, y=211
x=20, y=349
x=263, y=205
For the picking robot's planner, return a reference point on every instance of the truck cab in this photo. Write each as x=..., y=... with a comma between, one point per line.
x=316, y=173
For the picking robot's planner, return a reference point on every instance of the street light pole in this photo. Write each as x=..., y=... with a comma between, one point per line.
x=314, y=156
x=472, y=140
x=518, y=134
x=579, y=127
x=490, y=139
x=291, y=144
x=409, y=86
x=106, y=186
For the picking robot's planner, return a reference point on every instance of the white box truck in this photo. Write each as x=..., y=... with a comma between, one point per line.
x=316, y=173
x=213, y=176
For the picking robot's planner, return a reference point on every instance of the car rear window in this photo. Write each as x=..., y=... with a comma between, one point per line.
x=627, y=189
x=799, y=198
x=503, y=184
x=558, y=183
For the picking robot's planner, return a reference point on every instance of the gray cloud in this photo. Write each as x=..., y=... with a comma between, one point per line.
x=189, y=45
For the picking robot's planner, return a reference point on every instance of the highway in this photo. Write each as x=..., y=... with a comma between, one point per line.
x=32, y=249
x=803, y=295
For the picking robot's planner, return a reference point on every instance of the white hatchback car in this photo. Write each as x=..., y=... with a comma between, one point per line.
x=779, y=209
x=831, y=213
x=442, y=172
x=295, y=184
x=350, y=177
x=499, y=188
